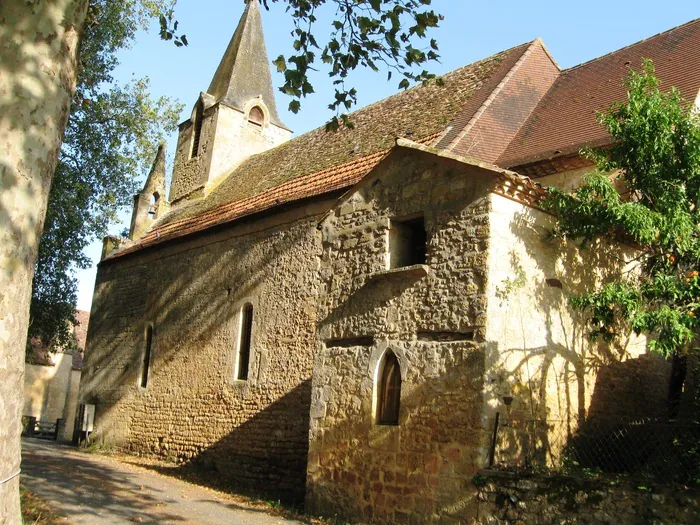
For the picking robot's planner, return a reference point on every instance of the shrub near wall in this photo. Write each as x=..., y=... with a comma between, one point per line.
x=506, y=498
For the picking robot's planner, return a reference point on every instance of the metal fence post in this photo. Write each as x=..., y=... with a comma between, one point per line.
x=492, y=452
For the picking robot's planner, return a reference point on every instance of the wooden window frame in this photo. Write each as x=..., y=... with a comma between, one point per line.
x=258, y=123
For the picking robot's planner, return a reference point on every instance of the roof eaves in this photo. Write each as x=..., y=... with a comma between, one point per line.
x=546, y=156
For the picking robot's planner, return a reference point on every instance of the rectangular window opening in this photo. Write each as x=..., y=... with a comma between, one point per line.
x=244, y=342
x=349, y=342
x=407, y=242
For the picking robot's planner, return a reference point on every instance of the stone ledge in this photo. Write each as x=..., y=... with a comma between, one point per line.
x=417, y=271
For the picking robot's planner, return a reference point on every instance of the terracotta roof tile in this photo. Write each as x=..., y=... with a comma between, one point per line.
x=319, y=162
x=565, y=119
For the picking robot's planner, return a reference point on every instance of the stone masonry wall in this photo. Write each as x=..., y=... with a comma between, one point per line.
x=189, y=173
x=420, y=470
x=236, y=139
x=255, y=432
x=226, y=141
x=46, y=388
x=508, y=499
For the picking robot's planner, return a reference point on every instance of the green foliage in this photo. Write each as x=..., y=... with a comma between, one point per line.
x=365, y=33
x=479, y=481
x=112, y=134
x=655, y=160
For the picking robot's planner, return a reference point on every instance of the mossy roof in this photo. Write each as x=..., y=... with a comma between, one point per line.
x=319, y=161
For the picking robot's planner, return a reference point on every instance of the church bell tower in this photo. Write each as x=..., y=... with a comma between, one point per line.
x=234, y=119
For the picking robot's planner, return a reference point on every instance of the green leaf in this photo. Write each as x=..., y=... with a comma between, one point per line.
x=280, y=63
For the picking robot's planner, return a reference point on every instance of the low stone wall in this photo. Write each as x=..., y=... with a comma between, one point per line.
x=505, y=498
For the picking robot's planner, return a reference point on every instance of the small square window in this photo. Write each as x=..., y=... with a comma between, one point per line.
x=407, y=242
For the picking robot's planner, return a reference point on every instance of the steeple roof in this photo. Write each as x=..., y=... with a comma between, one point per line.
x=244, y=71
x=156, y=177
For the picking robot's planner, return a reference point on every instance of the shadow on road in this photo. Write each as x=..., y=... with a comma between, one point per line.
x=97, y=489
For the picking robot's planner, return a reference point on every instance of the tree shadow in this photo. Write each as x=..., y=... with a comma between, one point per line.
x=254, y=433
x=97, y=489
x=556, y=386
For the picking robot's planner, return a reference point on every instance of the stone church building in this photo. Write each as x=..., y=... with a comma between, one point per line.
x=339, y=316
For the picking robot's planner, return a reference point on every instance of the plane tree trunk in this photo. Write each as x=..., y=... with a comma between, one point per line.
x=38, y=51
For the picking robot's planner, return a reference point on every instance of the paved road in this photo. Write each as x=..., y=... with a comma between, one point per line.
x=96, y=490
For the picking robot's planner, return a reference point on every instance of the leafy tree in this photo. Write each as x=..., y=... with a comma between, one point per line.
x=367, y=33
x=656, y=156
x=112, y=134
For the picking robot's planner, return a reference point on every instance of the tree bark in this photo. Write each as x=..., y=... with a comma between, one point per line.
x=38, y=53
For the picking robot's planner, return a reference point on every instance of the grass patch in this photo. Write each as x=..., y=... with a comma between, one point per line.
x=35, y=511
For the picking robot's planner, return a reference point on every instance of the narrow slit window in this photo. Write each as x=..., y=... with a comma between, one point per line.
x=389, y=391
x=244, y=342
x=145, y=366
x=407, y=242
x=256, y=116
x=198, y=118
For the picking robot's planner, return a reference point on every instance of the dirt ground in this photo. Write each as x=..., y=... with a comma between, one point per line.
x=95, y=489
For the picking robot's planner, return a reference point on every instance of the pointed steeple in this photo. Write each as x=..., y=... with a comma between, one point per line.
x=155, y=183
x=244, y=71
x=235, y=119
x=149, y=203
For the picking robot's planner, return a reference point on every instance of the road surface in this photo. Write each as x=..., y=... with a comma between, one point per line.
x=90, y=489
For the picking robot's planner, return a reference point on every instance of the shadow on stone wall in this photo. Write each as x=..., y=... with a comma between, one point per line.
x=274, y=468
x=420, y=471
x=558, y=387
x=192, y=410
x=610, y=378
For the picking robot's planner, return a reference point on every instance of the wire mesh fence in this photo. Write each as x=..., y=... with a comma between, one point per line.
x=663, y=451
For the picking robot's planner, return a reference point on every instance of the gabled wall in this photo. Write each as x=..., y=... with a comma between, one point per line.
x=435, y=324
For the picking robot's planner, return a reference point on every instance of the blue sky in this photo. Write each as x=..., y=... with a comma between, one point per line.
x=574, y=32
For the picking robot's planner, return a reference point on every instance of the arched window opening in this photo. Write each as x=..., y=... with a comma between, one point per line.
x=389, y=391
x=244, y=342
x=153, y=206
x=198, y=118
x=145, y=366
x=256, y=116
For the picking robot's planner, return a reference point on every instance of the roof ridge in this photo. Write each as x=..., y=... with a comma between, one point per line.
x=694, y=21
x=420, y=85
x=290, y=142
x=492, y=96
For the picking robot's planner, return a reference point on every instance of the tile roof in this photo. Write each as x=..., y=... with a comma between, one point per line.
x=319, y=162
x=565, y=119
